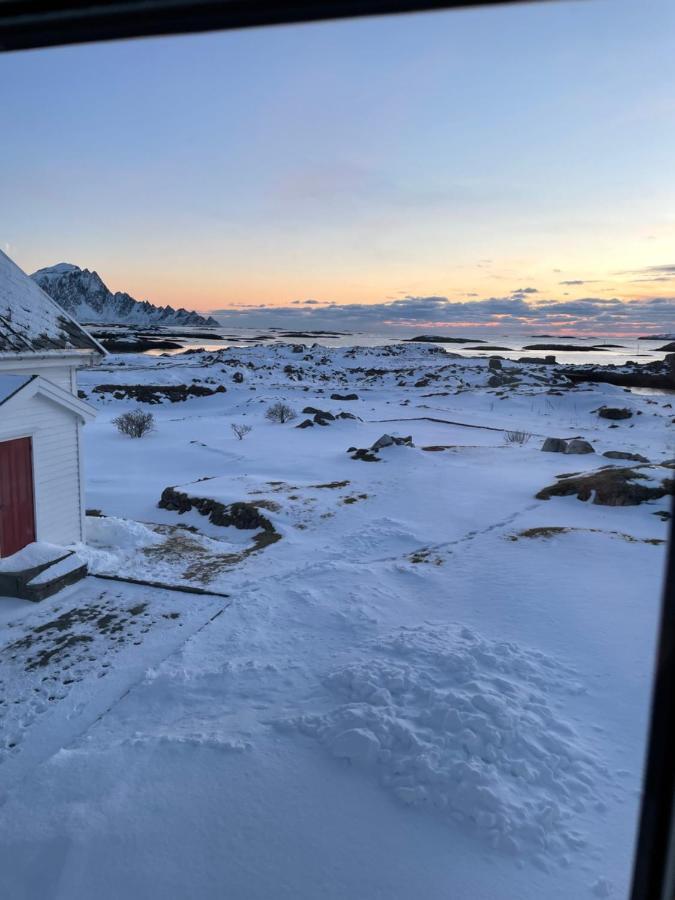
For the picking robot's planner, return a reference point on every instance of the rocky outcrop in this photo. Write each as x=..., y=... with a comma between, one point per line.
x=239, y=515
x=442, y=339
x=621, y=454
x=155, y=393
x=322, y=417
x=614, y=486
x=614, y=412
x=659, y=375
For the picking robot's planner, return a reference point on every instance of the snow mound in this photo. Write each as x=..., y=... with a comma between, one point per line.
x=122, y=534
x=115, y=546
x=448, y=720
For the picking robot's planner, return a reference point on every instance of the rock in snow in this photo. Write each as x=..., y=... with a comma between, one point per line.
x=560, y=445
x=84, y=295
x=577, y=445
x=554, y=445
x=388, y=440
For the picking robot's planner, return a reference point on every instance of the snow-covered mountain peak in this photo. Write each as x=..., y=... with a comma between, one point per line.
x=85, y=296
x=54, y=271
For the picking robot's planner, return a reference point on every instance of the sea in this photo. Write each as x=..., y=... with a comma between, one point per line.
x=600, y=350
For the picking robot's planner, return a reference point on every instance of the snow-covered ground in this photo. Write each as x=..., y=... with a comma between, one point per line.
x=424, y=681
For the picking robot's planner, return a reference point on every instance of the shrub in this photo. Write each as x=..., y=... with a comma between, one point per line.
x=135, y=423
x=240, y=430
x=280, y=412
x=517, y=437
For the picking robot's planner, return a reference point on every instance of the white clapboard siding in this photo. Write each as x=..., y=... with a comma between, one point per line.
x=56, y=465
x=62, y=375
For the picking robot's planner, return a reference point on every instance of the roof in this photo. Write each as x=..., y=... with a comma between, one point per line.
x=31, y=322
x=11, y=384
x=32, y=386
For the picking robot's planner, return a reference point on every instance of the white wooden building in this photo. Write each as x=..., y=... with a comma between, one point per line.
x=41, y=417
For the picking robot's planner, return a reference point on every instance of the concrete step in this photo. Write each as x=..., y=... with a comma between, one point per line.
x=61, y=573
x=37, y=582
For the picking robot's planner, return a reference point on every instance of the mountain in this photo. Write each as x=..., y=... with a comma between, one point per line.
x=84, y=295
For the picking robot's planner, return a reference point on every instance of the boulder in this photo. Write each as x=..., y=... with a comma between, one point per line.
x=385, y=441
x=554, y=445
x=238, y=377
x=577, y=445
x=323, y=418
x=388, y=440
x=306, y=424
x=494, y=363
x=344, y=396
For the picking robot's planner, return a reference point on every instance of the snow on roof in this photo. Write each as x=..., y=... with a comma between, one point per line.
x=10, y=384
x=31, y=322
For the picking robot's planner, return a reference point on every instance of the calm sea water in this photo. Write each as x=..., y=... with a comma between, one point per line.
x=626, y=349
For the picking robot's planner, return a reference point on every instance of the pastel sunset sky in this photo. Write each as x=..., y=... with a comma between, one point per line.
x=509, y=168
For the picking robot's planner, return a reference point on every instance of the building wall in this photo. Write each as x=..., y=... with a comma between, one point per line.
x=56, y=465
x=58, y=373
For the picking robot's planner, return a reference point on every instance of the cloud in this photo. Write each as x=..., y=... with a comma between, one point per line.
x=664, y=272
x=521, y=293
x=667, y=269
x=579, y=281
x=511, y=313
x=656, y=278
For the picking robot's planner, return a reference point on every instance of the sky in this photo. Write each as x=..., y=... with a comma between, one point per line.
x=506, y=167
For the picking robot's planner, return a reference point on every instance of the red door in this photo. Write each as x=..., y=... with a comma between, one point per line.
x=17, y=516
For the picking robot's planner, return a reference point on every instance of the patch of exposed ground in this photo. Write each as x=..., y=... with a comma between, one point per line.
x=549, y=531
x=201, y=562
x=54, y=640
x=426, y=555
